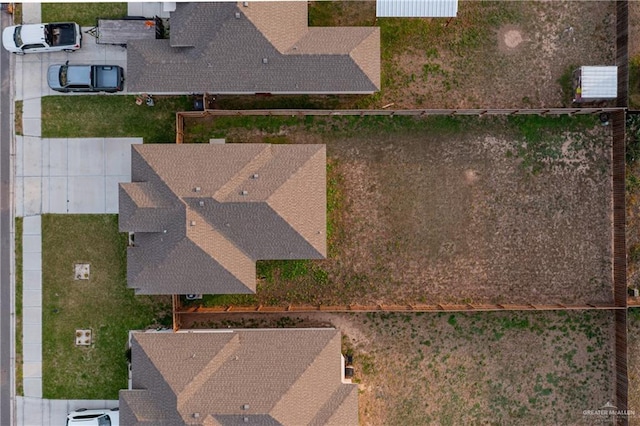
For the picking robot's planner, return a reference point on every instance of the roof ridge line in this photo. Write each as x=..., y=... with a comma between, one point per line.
x=256, y=163
x=209, y=370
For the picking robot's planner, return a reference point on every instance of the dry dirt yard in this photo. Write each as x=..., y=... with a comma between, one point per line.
x=504, y=54
x=455, y=369
x=458, y=218
x=456, y=210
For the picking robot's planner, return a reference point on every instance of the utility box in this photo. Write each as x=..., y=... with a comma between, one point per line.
x=595, y=83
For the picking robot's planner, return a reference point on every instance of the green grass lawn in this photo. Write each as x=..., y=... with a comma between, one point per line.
x=84, y=14
x=18, y=257
x=111, y=116
x=18, y=117
x=103, y=304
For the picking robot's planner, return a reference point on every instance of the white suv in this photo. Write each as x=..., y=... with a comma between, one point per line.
x=84, y=417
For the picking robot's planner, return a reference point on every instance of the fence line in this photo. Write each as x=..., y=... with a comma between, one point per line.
x=175, y=302
x=622, y=51
x=181, y=115
x=392, y=308
x=619, y=214
x=620, y=262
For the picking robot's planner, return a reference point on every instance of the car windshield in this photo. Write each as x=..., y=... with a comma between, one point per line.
x=104, y=421
x=63, y=75
x=16, y=37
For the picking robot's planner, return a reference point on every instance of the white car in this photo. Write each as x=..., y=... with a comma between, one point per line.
x=84, y=417
x=35, y=38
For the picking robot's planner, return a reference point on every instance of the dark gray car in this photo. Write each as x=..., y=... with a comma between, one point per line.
x=85, y=78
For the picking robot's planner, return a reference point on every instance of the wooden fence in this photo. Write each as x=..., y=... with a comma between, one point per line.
x=622, y=52
x=620, y=262
x=179, y=309
x=620, y=304
x=181, y=115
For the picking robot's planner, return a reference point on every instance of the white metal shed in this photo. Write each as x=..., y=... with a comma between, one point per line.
x=416, y=8
x=597, y=82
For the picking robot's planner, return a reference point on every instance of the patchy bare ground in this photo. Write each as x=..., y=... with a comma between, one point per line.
x=458, y=210
x=453, y=369
x=492, y=55
x=634, y=28
x=437, y=219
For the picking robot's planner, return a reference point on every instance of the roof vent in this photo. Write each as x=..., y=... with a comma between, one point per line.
x=245, y=419
x=196, y=189
x=193, y=223
x=237, y=15
x=265, y=60
x=244, y=192
x=245, y=3
x=255, y=176
x=196, y=415
x=201, y=203
x=245, y=407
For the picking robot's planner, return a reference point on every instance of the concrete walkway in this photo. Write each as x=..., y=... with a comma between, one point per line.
x=147, y=9
x=32, y=306
x=53, y=412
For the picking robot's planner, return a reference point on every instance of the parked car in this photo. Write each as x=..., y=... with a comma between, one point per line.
x=35, y=38
x=84, y=417
x=85, y=78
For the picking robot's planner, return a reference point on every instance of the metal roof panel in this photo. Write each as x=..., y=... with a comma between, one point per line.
x=417, y=8
x=599, y=82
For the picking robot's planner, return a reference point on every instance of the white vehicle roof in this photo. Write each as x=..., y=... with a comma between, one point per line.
x=32, y=33
x=7, y=39
x=72, y=418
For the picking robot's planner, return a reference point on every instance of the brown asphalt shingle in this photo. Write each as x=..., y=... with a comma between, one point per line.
x=270, y=377
x=221, y=48
x=203, y=214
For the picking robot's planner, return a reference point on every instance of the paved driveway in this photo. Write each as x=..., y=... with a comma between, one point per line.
x=53, y=412
x=66, y=175
x=32, y=68
x=70, y=175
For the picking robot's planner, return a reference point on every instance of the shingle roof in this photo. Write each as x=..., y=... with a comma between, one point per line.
x=222, y=48
x=228, y=376
x=203, y=214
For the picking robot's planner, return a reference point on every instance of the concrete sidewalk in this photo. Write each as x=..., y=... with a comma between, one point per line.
x=53, y=412
x=32, y=306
